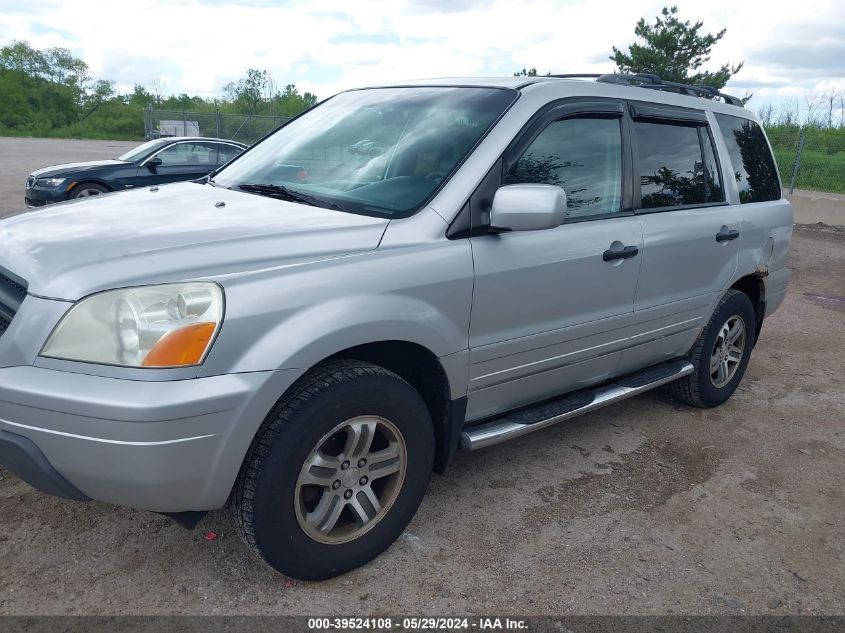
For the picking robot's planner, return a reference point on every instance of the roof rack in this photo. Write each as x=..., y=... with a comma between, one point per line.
x=655, y=82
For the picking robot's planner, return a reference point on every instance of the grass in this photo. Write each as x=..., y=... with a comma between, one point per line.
x=822, y=165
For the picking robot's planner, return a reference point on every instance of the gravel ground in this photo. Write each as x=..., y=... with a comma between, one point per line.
x=646, y=507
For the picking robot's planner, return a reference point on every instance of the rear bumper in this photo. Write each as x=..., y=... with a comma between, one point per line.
x=776, y=284
x=162, y=446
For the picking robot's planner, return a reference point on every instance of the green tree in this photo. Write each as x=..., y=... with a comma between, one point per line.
x=247, y=93
x=15, y=111
x=675, y=50
x=19, y=57
x=63, y=68
x=289, y=102
x=140, y=96
x=100, y=92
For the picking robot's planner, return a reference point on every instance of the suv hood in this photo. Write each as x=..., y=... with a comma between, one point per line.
x=71, y=249
x=60, y=170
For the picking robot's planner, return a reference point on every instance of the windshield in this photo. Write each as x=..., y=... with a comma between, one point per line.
x=382, y=151
x=141, y=151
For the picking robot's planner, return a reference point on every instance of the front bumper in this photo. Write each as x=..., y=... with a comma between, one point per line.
x=163, y=446
x=20, y=455
x=38, y=196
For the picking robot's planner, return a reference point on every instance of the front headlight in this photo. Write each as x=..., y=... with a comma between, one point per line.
x=172, y=325
x=50, y=183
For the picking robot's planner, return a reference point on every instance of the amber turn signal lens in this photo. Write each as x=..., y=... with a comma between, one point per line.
x=185, y=346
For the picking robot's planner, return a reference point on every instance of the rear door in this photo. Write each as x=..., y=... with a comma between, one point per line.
x=690, y=233
x=766, y=217
x=550, y=313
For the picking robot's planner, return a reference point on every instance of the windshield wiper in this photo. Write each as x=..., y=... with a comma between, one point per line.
x=283, y=193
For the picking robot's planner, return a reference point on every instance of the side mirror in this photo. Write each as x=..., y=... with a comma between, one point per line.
x=153, y=162
x=527, y=207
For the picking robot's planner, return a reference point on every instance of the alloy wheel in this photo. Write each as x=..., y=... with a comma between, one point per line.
x=87, y=193
x=727, y=351
x=350, y=479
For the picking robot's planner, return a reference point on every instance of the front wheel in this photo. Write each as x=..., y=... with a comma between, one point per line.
x=336, y=472
x=86, y=190
x=721, y=353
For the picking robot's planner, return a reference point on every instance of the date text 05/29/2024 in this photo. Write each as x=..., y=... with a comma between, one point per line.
x=416, y=624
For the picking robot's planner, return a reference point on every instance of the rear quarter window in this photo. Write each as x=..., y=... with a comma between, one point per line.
x=754, y=167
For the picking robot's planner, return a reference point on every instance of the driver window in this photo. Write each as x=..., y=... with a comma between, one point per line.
x=584, y=156
x=186, y=154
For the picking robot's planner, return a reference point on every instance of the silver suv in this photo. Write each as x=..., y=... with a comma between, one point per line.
x=313, y=330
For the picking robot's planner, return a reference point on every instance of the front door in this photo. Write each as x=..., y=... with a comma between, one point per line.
x=181, y=161
x=551, y=311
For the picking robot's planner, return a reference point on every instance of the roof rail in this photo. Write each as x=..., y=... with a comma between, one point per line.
x=655, y=82
x=577, y=76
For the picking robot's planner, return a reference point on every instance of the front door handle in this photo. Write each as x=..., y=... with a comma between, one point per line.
x=725, y=235
x=626, y=252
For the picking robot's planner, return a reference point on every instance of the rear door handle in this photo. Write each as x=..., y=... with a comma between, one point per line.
x=626, y=252
x=726, y=236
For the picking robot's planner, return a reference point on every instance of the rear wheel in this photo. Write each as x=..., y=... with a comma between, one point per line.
x=721, y=353
x=336, y=472
x=86, y=190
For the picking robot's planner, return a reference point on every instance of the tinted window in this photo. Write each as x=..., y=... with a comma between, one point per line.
x=671, y=169
x=582, y=155
x=753, y=166
x=713, y=189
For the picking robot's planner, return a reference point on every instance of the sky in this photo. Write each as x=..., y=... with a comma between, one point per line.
x=324, y=46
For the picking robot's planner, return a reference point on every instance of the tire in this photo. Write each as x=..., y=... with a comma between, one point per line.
x=272, y=500
x=701, y=388
x=86, y=190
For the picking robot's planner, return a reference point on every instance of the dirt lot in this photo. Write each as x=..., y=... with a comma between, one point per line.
x=648, y=506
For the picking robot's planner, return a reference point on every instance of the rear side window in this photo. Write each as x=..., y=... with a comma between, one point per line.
x=754, y=168
x=677, y=165
x=227, y=153
x=582, y=155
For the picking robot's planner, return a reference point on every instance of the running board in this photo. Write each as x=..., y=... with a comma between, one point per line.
x=541, y=416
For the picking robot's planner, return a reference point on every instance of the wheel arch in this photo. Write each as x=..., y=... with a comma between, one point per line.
x=86, y=181
x=410, y=361
x=755, y=289
x=420, y=368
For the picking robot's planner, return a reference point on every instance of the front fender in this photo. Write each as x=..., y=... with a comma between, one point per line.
x=316, y=332
x=418, y=294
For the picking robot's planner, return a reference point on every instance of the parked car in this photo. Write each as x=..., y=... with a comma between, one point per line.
x=529, y=249
x=155, y=162
x=368, y=148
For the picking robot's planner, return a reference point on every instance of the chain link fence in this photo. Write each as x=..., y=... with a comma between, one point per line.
x=237, y=127
x=810, y=158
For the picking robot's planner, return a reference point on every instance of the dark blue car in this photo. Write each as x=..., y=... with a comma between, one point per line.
x=156, y=162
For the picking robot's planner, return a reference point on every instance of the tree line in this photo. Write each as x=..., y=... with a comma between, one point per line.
x=50, y=92
x=823, y=110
